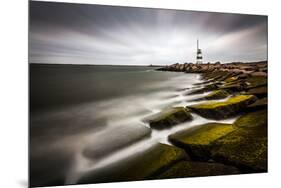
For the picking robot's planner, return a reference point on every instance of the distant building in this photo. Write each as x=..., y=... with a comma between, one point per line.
x=199, y=58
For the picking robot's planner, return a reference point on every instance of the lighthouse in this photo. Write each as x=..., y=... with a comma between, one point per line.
x=199, y=58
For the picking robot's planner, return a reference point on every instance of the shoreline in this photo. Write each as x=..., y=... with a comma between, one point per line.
x=212, y=148
x=208, y=149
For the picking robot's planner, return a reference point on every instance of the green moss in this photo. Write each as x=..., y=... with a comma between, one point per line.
x=232, y=100
x=198, y=140
x=218, y=94
x=244, y=148
x=220, y=110
x=252, y=119
x=196, y=169
x=140, y=166
x=169, y=118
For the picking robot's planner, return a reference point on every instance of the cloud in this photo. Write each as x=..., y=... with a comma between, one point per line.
x=94, y=34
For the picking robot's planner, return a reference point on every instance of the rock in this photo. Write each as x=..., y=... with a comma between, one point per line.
x=102, y=144
x=233, y=87
x=245, y=148
x=260, y=92
x=226, y=109
x=264, y=74
x=198, y=140
x=142, y=165
x=206, y=88
x=218, y=94
x=197, y=169
x=168, y=118
x=252, y=119
x=259, y=104
x=256, y=81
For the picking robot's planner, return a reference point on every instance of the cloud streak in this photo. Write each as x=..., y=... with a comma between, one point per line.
x=94, y=34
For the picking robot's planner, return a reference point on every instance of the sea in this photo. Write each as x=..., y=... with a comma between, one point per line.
x=85, y=117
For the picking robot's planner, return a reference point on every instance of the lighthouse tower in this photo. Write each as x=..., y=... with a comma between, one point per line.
x=199, y=58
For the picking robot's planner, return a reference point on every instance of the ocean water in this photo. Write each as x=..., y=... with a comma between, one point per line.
x=84, y=118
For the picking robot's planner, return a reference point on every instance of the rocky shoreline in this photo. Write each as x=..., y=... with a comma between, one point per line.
x=240, y=147
x=234, y=90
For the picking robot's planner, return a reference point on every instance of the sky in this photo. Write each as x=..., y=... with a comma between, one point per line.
x=65, y=33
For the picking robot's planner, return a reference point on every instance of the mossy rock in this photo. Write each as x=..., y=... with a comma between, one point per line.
x=226, y=109
x=256, y=81
x=252, y=119
x=206, y=88
x=198, y=140
x=197, y=169
x=233, y=87
x=260, y=92
x=169, y=117
x=225, y=77
x=218, y=94
x=258, y=105
x=245, y=148
x=214, y=75
x=140, y=166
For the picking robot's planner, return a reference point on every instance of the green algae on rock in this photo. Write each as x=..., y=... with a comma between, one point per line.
x=196, y=169
x=256, y=81
x=142, y=165
x=245, y=148
x=252, y=119
x=218, y=94
x=198, y=140
x=222, y=110
x=168, y=118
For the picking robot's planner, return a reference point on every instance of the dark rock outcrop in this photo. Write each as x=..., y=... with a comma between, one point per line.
x=168, y=118
x=197, y=169
x=226, y=109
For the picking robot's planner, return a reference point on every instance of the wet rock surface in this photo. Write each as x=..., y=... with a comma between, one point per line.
x=197, y=141
x=226, y=109
x=196, y=169
x=169, y=117
x=140, y=166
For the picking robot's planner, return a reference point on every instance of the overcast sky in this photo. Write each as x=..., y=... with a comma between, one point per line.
x=95, y=34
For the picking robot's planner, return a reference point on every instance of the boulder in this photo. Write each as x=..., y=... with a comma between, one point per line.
x=197, y=169
x=264, y=74
x=245, y=148
x=226, y=109
x=218, y=94
x=198, y=140
x=260, y=92
x=252, y=119
x=258, y=105
x=234, y=86
x=140, y=166
x=256, y=81
x=168, y=118
x=206, y=88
